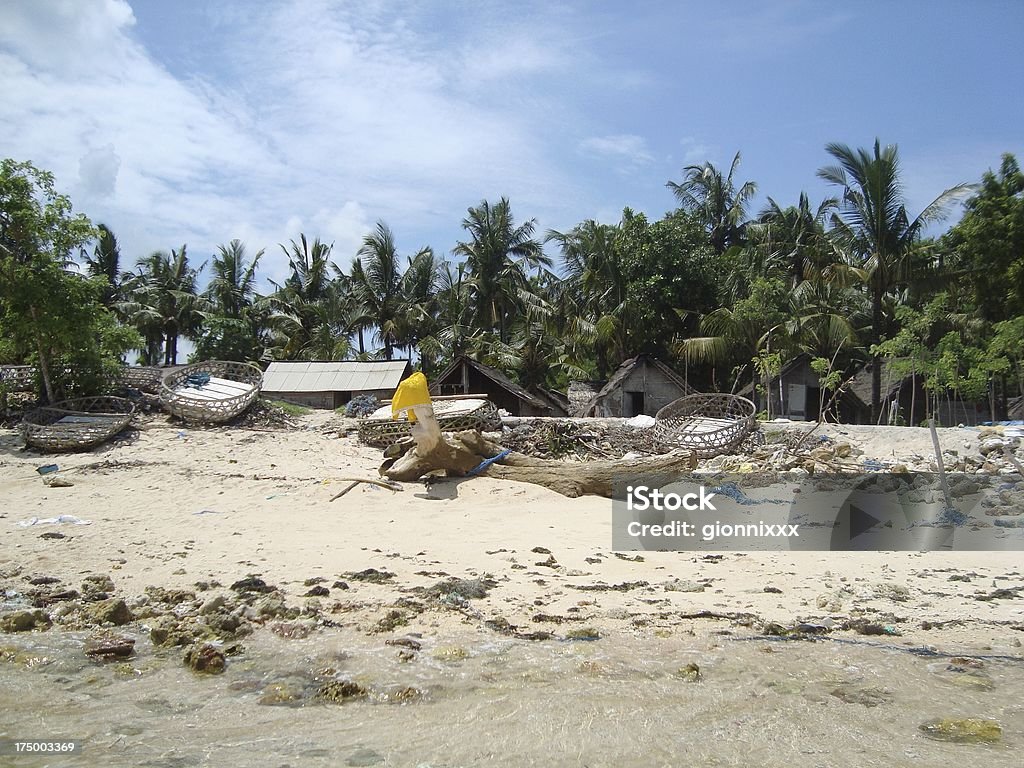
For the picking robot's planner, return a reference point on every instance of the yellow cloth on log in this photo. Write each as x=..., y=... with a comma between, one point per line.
x=411, y=391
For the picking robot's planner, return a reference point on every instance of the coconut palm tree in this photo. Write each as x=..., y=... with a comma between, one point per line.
x=875, y=229
x=233, y=324
x=499, y=256
x=718, y=203
x=295, y=315
x=105, y=261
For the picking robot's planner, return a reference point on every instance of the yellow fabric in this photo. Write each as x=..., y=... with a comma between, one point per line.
x=412, y=391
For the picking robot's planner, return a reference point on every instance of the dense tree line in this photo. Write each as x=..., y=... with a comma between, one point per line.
x=722, y=293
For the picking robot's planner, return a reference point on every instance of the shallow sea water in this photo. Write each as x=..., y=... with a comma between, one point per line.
x=616, y=701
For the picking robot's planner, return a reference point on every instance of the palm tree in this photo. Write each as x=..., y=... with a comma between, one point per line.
x=792, y=240
x=163, y=303
x=499, y=255
x=376, y=280
x=716, y=201
x=593, y=297
x=873, y=226
x=296, y=313
x=105, y=261
x=234, y=325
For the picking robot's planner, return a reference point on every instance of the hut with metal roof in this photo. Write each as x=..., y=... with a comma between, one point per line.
x=467, y=377
x=641, y=385
x=332, y=384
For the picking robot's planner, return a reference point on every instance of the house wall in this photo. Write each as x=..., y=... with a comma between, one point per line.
x=657, y=388
x=325, y=400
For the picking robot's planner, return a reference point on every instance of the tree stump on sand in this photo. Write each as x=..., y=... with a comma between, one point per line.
x=461, y=452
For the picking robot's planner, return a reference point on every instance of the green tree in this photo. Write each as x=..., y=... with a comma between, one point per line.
x=874, y=227
x=49, y=315
x=499, y=255
x=716, y=202
x=234, y=321
x=988, y=242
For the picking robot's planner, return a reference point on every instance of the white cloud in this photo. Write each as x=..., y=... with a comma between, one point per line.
x=627, y=150
x=696, y=152
x=97, y=171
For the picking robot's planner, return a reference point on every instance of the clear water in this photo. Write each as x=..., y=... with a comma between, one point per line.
x=611, y=702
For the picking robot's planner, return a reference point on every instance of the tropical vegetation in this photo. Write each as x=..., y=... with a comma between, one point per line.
x=724, y=293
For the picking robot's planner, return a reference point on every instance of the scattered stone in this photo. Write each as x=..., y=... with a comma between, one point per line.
x=38, y=581
x=169, y=596
x=364, y=757
x=584, y=633
x=24, y=621
x=168, y=631
x=318, y=591
x=405, y=642
x=113, y=610
x=450, y=653
x=52, y=535
x=1000, y=594
x=403, y=695
x=313, y=581
x=339, y=585
x=773, y=590
x=339, y=691
x=58, y=482
x=865, y=696
x=371, y=575
x=213, y=605
x=205, y=658
x=277, y=694
x=252, y=583
x=549, y=563
x=541, y=551
x=97, y=587
x=968, y=730
x=681, y=585
x=405, y=655
x=293, y=630
x=690, y=673
x=107, y=645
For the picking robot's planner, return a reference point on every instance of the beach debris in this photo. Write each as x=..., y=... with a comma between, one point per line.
x=206, y=659
x=371, y=575
x=361, y=405
x=467, y=589
x=354, y=481
x=55, y=481
x=24, y=621
x=391, y=621
x=108, y=645
x=47, y=469
x=681, y=585
x=52, y=535
x=59, y=520
x=339, y=691
x=965, y=730
x=584, y=633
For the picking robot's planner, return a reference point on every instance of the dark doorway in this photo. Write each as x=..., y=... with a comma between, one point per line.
x=634, y=404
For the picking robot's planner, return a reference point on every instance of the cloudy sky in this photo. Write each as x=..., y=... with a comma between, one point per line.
x=197, y=122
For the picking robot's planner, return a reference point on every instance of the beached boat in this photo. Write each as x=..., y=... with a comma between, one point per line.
x=145, y=378
x=705, y=424
x=73, y=425
x=213, y=391
x=380, y=430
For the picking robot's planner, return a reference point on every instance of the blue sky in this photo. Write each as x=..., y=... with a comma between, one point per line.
x=196, y=122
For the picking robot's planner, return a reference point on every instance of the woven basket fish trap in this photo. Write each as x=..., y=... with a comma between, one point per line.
x=380, y=430
x=18, y=378
x=74, y=425
x=145, y=378
x=706, y=424
x=213, y=392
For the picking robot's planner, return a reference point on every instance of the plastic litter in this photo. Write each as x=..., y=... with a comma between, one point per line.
x=60, y=520
x=47, y=469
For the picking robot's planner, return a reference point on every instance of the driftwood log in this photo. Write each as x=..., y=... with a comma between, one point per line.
x=460, y=452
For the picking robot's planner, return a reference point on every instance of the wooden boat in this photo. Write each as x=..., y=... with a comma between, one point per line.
x=706, y=424
x=213, y=391
x=73, y=425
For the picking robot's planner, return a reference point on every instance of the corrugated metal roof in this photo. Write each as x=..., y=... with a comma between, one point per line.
x=345, y=376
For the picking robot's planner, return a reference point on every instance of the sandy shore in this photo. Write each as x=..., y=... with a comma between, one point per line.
x=173, y=506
